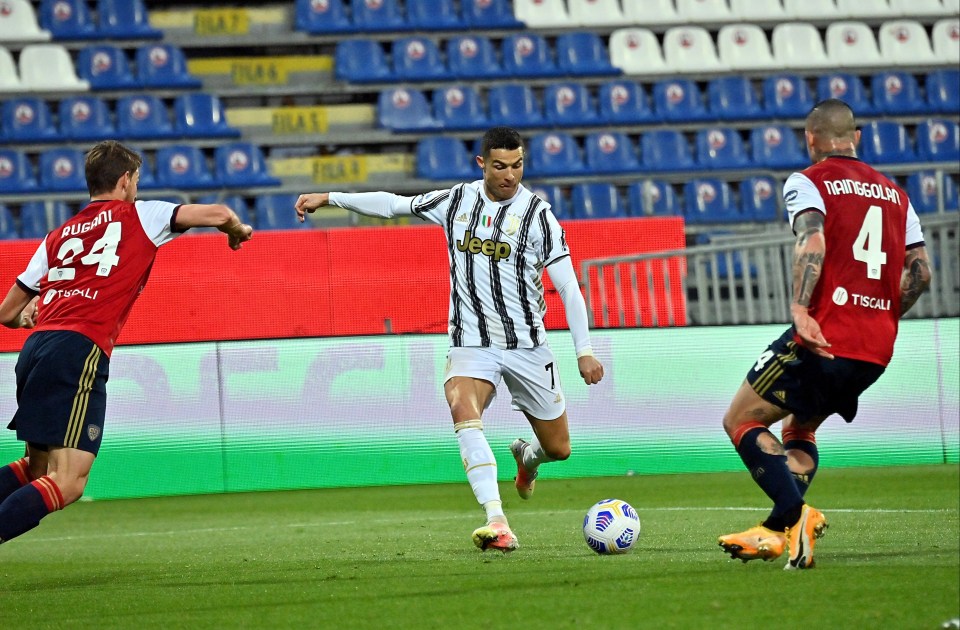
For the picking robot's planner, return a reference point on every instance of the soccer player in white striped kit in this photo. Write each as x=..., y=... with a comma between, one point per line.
x=500, y=237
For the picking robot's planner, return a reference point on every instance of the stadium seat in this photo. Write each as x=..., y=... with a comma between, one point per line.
x=241, y=164
x=459, y=107
x=583, y=53
x=708, y=200
x=48, y=67
x=595, y=12
x=488, y=14
x=636, y=51
x=322, y=17
x=720, y=148
x=27, y=119
x=690, y=49
x=885, y=142
x=105, y=67
x=919, y=7
x=744, y=47
x=678, y=100
x=786, y=96
x=8, y=228
x=865, y=9
x=852, y=45
x=234, y=201
x=402, y=109
x=18, y=22
x=275, y=212
x=938, y=141
x=16, y=172
x=651, y=12
x=542, y=13
x=759, y=199
x=125, y=19
x=472, y=57
x=569, y=104
x=361, y=61
x=924, y=192
x=554, y=154
x=610, y=152
x=85, y=118
x=777, y=147
x=848, y=88
x=753, y=11
x=905, y=43
x=943, y=91
x=699, y=11
x=62, y=170
x=433, y=15
x=733, y=98
x=148, y=178
x=811, y=10
x=444, y=158
x=554, y=196
x=897, y=93
x=377, y=15
x=945, y=38
x=417, y=59
x=37, y=218
x=67, y=19
x=596, y=201
x=527, y=55
x=665, y=150
x=164, y=66
x=652, y=198
x=514, y=104
x=143, y=116
x=623, y=103
x=9, y=77
x=798, y=45
x=183, y=166
x=199, y=115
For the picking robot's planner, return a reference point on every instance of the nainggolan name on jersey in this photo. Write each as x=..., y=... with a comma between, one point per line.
x=863, y=189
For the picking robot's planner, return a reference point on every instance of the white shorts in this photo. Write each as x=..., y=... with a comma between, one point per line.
x=531, y=375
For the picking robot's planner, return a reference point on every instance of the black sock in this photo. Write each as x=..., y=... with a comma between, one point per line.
x=771, y=473
x=810, y=448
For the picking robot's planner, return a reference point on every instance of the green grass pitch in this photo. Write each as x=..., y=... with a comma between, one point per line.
x=401, y=557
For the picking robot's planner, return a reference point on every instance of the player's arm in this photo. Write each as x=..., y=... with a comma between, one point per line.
x=19, y=308
x=372, y=204
x=213, y=215
x=915, y=279
x=808, y=254
x=565, y=280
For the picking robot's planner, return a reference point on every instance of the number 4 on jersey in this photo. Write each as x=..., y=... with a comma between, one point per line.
x=867, y=246
x=103, y=254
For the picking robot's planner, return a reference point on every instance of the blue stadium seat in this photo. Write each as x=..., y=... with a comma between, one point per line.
x=417, y=59
x=472, y=57
x=885, y=142
x=554, y=196
x=361, y=61
x=488, y=14
x=322, y=17
x=514, y=104
x=8, y=229
x=377, y=15
x=106, y=68
x=125, y=19
x=708, y=200
x=623, y=103
x=583, y=53
x=759, y=199
x=777, y=146
x=943, y=91
x=665, y=150
x=897, y=93
x=678, y=100
x=143, y=116
x=85, y=118
x=596, y=201
x=527, y=55
x=652, y=198
x=403, y=109
x=148, y=178
x=848, y=88
x=27, y=119
x=459, y=107
x=719, y=148
x=242, y=164
x=433, y=15
x=62, y=169
x=67, y=19
x=183, y=166
x=234, y=201
x=444, y=157
x=938, y=141
x=554, y=154
x=275, y=212
x=16, y=172
x=610, y=152
x=923, y=192
x=787, y=96
x=37, y=218
x=199, y=115
x=733, y=98
x=164, y=66
x=569, y=104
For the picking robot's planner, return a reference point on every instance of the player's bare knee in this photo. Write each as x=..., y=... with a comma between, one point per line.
x=769, y=444
x=557, y=452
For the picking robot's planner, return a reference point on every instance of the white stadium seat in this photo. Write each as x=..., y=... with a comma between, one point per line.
x=905, y=43
x=744, y=47
x=636, y=51
x=9, y=79
x=596, y=12
x=542, y=13
x=696, y=11
x=946, y=40
x=851, y=45
x=690, y=49
x=754, y=11
x=18, y=23
x=865, y=9
x=952, y=7
x=651, y=12
x=811, y=9
x=920, y=7
x=798, y=45
x=49, y=67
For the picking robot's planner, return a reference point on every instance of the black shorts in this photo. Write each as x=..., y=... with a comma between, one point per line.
x=61, y=391
x=793, y=378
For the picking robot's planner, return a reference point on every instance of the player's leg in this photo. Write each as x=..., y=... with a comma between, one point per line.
x=800, y=443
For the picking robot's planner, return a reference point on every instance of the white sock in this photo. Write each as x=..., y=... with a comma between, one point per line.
x=534, y=455
x=480, y=466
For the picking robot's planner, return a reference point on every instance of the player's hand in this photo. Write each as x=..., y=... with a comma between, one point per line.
x=590, y=369
x=237, y=238
x=310, y=202
x=809, y=332
x=28, y=316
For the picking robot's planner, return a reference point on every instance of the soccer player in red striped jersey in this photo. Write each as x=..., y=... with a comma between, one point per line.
x=859, y=264
x=77, y=292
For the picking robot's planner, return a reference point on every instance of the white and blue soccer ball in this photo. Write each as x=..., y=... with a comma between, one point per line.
x=611, y=526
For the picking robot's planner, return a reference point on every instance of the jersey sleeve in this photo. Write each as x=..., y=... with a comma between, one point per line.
x=554, y=238
x=37, y=268
x=156, y=217
x=432, y=206
x=914, y=232
x=799, y=194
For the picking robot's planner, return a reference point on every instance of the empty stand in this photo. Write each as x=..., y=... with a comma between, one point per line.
x=595, y=12
x=665, y=150
x=786, y=96
x=721, y=148
x=527, y=55
x=852, y=45
x=201, y=115
x=275, y=212
x=610, y=152
x=733, y=98
x=62, y=170
x=897, y=93
x=8, y=228
x=105, y=67
x=905, y=43
x=865, y=9
x=777, y=147
x=678, y=99
x=241, y=164
x=48, y=67
x=16, y=172
x=67, y=19
x=652, y=12
x=709, y=200
x=554, y=196
x=798, y=45
x=488, y=14
x=164, y=66
x=85, y=118
x=417, y=59
x=554, y=154
x=514, y=104
x=569, y=104
x=704, y=10
x=360, y=61
x=143, y=116
x=753, y=11
x=690, y=49
x=433, y=15
x=938, y=141
x=811, y=9
x=472, y=57
x=924, y=192
x=329, y=16
x=636, y=51
x=744, y=47
x=37, y=218
x=946, y=40
x=885, y=142
x=402, y=109
x=848, y=88
x=652, y=197
x=759, y=199
x=542, y=13
x=444, y=158
x=27, y=119
x=943, y=91
x=596, y=201
x=233, y=201
x=18, y=23
x=459, y=107
x=623, y=103
x=183, y=166
x=125, y=19
x=377, y=15
x=921, y=7
x=148, y=178
x=583, y=53
x=9, y=77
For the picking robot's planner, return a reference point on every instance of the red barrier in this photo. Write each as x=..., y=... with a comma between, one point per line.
x=349, y=281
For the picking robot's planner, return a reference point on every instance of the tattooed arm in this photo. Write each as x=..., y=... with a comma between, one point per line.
x=915, y=279
x=808, y=256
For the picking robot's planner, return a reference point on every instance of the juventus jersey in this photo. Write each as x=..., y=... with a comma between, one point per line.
x=91, y=269
x=869, y=223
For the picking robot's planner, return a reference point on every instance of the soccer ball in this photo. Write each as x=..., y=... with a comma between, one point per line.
x=611, y=526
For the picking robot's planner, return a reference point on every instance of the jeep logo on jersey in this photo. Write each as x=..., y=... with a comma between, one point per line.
x=473, y=245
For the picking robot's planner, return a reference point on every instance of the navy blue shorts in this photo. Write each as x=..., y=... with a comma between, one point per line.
x=61, y=391
x=793, y=378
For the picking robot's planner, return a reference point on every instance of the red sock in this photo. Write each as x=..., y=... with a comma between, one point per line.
x=13, y=476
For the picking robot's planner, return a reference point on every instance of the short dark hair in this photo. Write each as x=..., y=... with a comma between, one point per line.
x=831, y=118
x=106, y=163
x=500, y=138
